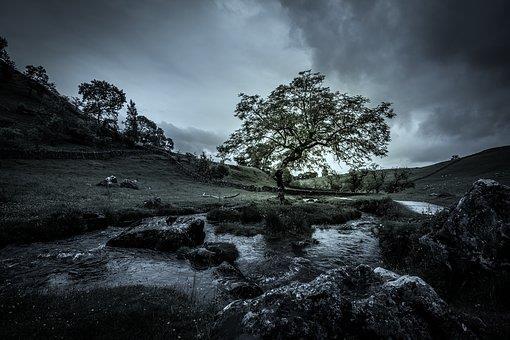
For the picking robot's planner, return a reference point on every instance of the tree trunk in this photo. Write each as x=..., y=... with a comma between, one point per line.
x=280, y=185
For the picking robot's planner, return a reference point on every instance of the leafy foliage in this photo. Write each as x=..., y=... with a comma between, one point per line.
x=102, y=101
x=299, y=123
x=4, y=56
x=131, y=124
x=150, y=134
x=38, y=74
x=400, y=181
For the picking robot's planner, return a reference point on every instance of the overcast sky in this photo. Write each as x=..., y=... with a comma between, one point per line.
x=444, y=64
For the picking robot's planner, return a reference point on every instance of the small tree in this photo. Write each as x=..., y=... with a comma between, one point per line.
x=298, y=124
x=38, y=74
x=131, y=124
x=355, y=179
x=150, y=134
x=374, y=182
x=102, y=101
x=401, y=180
x=4, y=56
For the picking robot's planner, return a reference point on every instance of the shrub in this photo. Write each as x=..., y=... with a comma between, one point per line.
x=11, y=137
x=223, y=215
x=250, y=214
x=219, y=171
x=287, y=221
x=384, y=207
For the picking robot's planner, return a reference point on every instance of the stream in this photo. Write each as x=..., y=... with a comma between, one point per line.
x=85, y=262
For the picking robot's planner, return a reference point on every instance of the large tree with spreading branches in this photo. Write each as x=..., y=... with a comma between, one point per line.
x=298, y=124
x=102, y=101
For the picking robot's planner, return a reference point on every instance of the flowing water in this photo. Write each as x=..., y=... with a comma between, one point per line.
x=84, y=261
x=422, y=207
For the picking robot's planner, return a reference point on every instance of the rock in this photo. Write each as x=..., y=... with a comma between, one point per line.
x=155, y=233
x=108, y=181
x=476, y=234
x=212, y=254
x=234, y=283
x=153, y=203
x=129, y=183
x=344, y=303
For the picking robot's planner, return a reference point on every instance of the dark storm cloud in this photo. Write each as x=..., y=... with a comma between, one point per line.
x=181, y=61
x=444, y=64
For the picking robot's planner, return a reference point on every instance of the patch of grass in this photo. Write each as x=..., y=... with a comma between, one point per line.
x=298, y=218
x=132, y=312
x=385, y=208
x=223, y=214
x=239, y=229
x=35, y=191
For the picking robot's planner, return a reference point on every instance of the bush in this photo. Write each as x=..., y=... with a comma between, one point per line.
x=223, y=215
x=384, y=207
x=11, y=137
x=250, y=214
x=219, y=171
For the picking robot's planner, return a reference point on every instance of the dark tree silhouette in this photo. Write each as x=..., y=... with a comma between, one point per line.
x=4, y=56
x=38, y=74
x=298, y=124
x=102, y=101
x=150, y=134
x=131, y=124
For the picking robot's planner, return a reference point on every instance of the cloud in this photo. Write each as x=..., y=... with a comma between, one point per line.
x=444, y=64
x=192, y=139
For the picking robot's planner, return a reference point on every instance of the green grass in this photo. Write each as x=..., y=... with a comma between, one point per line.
x=454, y=179
x=133, y=312
x=34, y=190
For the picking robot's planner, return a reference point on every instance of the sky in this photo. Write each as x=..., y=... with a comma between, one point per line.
x=445, y=65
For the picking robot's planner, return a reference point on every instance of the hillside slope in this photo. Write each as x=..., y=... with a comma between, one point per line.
x=32, y=116
x=449, y=179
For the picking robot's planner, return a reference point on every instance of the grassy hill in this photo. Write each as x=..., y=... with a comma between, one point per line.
x=32, y=116
x=452, y=177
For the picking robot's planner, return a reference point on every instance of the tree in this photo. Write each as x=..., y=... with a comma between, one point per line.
x=38, y=74
x=298, y=124
x=355, y=179
x=4, y=56
x=102, y=101
x=150, y=134
x=131, y=124
x=375, y=180
x=401, y=180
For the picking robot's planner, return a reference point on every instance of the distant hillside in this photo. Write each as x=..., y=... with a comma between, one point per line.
x=33, y=116
x=448, y=177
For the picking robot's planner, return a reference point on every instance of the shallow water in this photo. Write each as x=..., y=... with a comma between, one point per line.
x=422, y=207
x=84, y=261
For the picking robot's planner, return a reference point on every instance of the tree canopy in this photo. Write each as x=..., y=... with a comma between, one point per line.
x=131, y=123
x=298, y=124
x=38, y=74
x=150, y=134
x=103, y=101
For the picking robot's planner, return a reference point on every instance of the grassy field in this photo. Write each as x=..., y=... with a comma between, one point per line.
x=453, y=177
x=32, y=190
x=130, y=312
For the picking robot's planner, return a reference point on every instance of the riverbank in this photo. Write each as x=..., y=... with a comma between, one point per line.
x=128, y=312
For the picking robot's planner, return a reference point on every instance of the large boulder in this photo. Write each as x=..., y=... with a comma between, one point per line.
x=129, y=183
x=108, y=181
x=155, y=233
x=212, y=254
x=476, y=234
x=233, y=283
x=344, y=303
